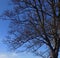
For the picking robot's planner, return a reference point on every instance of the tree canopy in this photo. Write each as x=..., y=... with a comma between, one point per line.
x=35, y=23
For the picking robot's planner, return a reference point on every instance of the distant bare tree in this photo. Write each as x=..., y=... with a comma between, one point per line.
x=35, y=23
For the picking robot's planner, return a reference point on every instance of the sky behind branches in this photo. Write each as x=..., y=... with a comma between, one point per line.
x=3, y=32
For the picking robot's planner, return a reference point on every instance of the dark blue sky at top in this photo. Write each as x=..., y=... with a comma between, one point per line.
x=3, y=24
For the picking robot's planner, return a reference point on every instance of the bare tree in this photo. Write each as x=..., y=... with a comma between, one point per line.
x=35, y=23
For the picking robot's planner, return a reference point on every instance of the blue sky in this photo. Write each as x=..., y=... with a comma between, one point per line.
x=3, y=32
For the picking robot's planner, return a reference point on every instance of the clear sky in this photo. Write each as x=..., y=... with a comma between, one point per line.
x=3, y=32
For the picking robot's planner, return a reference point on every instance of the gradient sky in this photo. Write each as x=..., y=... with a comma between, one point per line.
x=3, y=32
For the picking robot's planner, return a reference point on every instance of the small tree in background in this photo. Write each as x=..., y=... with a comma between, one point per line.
x=35, y=23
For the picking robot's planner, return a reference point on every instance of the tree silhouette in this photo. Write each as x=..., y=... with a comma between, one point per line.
x=35, y=23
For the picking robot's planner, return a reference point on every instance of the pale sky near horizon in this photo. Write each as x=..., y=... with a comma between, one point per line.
x=3, y=31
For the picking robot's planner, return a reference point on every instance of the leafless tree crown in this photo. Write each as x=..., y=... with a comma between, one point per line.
x=35, y=23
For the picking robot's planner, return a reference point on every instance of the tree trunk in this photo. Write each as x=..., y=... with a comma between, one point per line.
x=54, y=55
